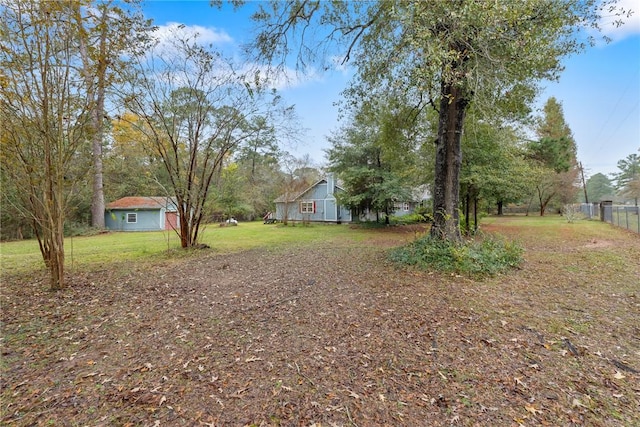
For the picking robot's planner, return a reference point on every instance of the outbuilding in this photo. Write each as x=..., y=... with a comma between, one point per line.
x=142, y=214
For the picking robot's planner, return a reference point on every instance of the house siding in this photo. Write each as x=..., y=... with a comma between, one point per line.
x=147, y=220
x=152, y=214
x=327, y=208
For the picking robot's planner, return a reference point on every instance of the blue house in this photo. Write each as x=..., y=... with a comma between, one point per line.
x=316, y=204
x=141, y=214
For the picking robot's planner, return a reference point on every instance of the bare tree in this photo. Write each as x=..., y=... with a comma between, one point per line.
x=104, y=33
x=195, y=109
x=43, y=116
x=298, y=175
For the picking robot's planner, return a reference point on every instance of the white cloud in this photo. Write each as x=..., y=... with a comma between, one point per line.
x=631, y=21
x=204, y=35
x=281, y=78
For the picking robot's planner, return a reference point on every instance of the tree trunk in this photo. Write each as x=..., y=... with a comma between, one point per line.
x=185, y=232
x=467, y=200
x=500, y=205
x=56, y=260
x=544, y=201
x=475, y=214
x=97, y=200
x=446, y=195
x=96, y=84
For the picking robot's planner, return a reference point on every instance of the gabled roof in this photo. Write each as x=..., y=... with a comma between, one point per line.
x=283, y=198
x=134, y=202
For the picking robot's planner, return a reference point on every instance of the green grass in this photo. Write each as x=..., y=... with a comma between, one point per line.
x=550, y=227
x=109, y=248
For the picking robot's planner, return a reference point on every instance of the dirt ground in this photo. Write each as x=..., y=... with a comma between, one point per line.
x=331, y=335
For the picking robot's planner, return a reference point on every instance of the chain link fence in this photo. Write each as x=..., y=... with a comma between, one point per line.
x=619, y=215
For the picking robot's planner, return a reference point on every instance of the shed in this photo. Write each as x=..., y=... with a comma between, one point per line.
x=142, y=214
x=316, y=204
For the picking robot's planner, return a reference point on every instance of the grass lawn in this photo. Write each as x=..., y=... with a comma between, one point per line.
x=85, y=253
x=304, y=326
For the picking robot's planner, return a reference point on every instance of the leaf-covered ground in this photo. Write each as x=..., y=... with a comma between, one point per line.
x=333, y=335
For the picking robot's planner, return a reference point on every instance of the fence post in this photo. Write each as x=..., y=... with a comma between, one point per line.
x=606, y=213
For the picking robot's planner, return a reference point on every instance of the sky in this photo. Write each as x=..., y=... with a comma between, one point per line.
x=599, y=88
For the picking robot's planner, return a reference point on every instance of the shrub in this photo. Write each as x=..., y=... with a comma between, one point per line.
x=572, y=213
x=486, y=256
x=412, y=218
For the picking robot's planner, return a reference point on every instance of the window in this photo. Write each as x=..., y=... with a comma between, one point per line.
x=397, y=206
x=132, y=218
x=307, y=207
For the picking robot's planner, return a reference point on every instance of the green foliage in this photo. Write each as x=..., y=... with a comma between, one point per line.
x=412, y=218
x=376, y=157
x=599, y=188
x=628, y=179
x=556, y=154
x=487, y=256
x=629, y=169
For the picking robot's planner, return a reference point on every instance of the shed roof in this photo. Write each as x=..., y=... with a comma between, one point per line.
x=136, y=202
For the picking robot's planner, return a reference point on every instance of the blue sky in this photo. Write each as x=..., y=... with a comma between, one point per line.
x=599, y=89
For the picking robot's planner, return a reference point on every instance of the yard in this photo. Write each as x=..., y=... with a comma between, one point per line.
x=312, y=326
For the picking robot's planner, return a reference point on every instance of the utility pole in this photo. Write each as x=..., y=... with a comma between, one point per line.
x=584, y=184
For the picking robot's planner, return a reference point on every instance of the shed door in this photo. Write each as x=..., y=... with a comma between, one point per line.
x=170, y=220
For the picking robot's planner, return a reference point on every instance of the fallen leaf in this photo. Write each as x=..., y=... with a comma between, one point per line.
x=162, y=400
x=354, y=394
x=618, y=375
x=519, y=382
x=576, y=403
x=532, y=409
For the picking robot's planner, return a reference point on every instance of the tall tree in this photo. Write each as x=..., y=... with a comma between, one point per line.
x=105, y=33
x=599, y=188
x=44, y=119
x=628, y=177
x=446, y=53
x=375, y=157
x=130, y=168
x=194, y=111
x=258, y=163
x=494, y=167
x=555, y=154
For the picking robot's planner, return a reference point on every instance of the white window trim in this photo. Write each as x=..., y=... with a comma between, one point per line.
x=306, y=207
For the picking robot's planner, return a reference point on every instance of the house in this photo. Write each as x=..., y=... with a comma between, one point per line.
x=141, y=214
x=419, y=197
x=317, y=203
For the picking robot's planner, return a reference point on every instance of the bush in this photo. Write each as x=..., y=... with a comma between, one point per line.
x=572, y=213
x=412, y=218
x=487, y=256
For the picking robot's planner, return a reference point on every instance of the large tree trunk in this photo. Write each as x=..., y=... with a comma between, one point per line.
x=446, y=194
x=97, y=200
x=52, y=220
x=95, y=78
x=56, y=260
